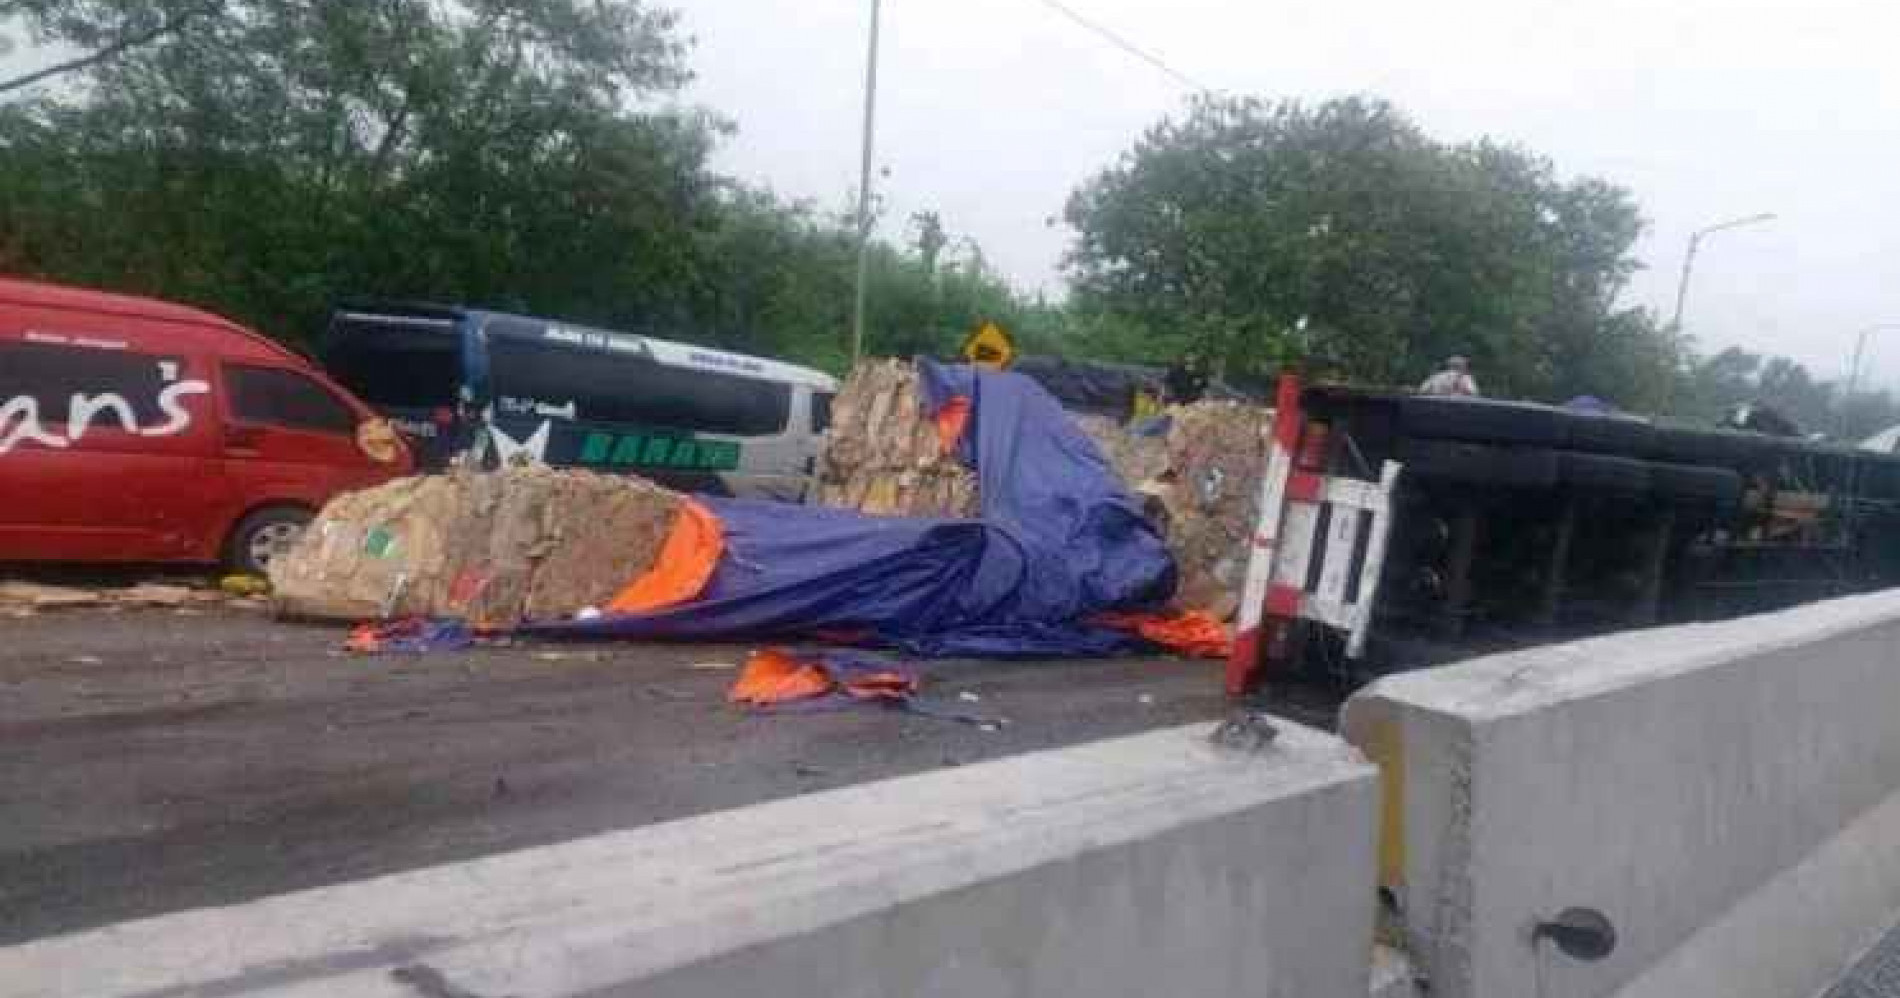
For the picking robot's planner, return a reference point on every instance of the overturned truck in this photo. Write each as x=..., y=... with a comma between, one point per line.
x=1514, y=523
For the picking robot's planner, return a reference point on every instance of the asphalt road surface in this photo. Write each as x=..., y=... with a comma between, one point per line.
x=152, y=761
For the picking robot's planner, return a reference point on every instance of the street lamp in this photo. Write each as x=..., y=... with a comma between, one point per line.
x=864, y=189
x=1853, y=370
x=1688, y=259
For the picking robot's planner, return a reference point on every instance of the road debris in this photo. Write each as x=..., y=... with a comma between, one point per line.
x=33, y=596
x=412, y=635
x=22, y=598
x=776, y=679
x=244, y=584
x=569, y=656
x=1245, y=731
x=1194, y=633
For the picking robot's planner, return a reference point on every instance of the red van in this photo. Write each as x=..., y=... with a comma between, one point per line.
x=134, y=430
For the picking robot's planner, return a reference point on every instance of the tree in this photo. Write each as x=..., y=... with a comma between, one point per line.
x=1341, y=238
x=267, y=157
x=1714, y=385
x=109, y=29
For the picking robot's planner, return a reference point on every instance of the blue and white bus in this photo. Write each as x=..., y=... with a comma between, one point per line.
x=494, y=387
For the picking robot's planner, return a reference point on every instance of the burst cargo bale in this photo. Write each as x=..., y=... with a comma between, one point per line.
x=884, y=456
x=491, y=547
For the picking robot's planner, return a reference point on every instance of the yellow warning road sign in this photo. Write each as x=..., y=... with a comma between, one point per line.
x=989, y=346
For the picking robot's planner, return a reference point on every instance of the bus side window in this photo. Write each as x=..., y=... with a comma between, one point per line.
x=820, y=411
x=530, y=376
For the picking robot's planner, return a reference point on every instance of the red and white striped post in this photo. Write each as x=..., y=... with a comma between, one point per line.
x=1264, y=607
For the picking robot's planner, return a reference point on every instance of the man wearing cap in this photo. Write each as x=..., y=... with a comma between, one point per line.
x=1455, y=379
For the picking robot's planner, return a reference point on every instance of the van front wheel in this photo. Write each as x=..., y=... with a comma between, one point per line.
x=261, y=536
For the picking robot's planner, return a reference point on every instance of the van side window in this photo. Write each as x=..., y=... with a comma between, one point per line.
x=820, y=411
x=51, y=374
x=604, y=387
x=276, y=397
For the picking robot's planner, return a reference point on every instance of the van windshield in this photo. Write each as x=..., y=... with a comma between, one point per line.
x=395, y=364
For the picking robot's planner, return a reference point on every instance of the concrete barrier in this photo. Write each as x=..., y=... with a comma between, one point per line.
x=1728, y=795
x=1151, y=865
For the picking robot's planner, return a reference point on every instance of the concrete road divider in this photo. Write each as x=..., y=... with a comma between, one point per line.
x=1160, y=864
x=1722, y=800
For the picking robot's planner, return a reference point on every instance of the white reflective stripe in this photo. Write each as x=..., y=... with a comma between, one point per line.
x=1253, y=594
x=1330, y=612
x=1353, y=492
x=1298, y=534
x=1336, y=566
x=1359, y=628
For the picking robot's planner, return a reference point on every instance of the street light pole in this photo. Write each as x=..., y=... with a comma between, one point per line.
x=864, y=189
x=1688, y=260
x=1853, y=371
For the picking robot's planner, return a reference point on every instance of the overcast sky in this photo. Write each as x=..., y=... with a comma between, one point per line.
x=991, y=111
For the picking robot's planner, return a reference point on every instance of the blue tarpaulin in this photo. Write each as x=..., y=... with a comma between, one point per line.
x=1059, y=541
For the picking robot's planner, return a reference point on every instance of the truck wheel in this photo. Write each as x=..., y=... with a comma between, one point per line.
x=1618, y=435
x=1718, y=487
x=1717, y=448
x=1453, y=417
x=261, y=535
x=1603, y=473
x=1479, y=464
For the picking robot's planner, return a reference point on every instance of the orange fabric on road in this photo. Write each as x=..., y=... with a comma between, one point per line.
x=771, y=677
x=686, y=562
x=1195, y=633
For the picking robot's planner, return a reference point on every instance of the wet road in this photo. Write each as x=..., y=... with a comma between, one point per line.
x=151, y=762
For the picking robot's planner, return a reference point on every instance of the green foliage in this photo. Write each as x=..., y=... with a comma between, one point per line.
x=265, y=157
x=1714, y=385
x=1342, y=239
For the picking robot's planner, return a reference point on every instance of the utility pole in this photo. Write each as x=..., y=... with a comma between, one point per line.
x=864, y=189
x=1853, y=371
x=1688, y=261
x=1682, y=285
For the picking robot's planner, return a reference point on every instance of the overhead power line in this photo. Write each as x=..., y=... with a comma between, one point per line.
x=1125, y=45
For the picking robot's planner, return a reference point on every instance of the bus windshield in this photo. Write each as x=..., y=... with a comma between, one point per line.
x=396, y=363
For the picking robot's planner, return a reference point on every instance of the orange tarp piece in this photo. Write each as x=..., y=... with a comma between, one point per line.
x=772, y=676
x=1195, y=633
x=951, y=419
x=684, y=566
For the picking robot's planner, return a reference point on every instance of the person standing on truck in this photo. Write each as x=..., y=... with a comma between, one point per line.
x=1455, y=379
